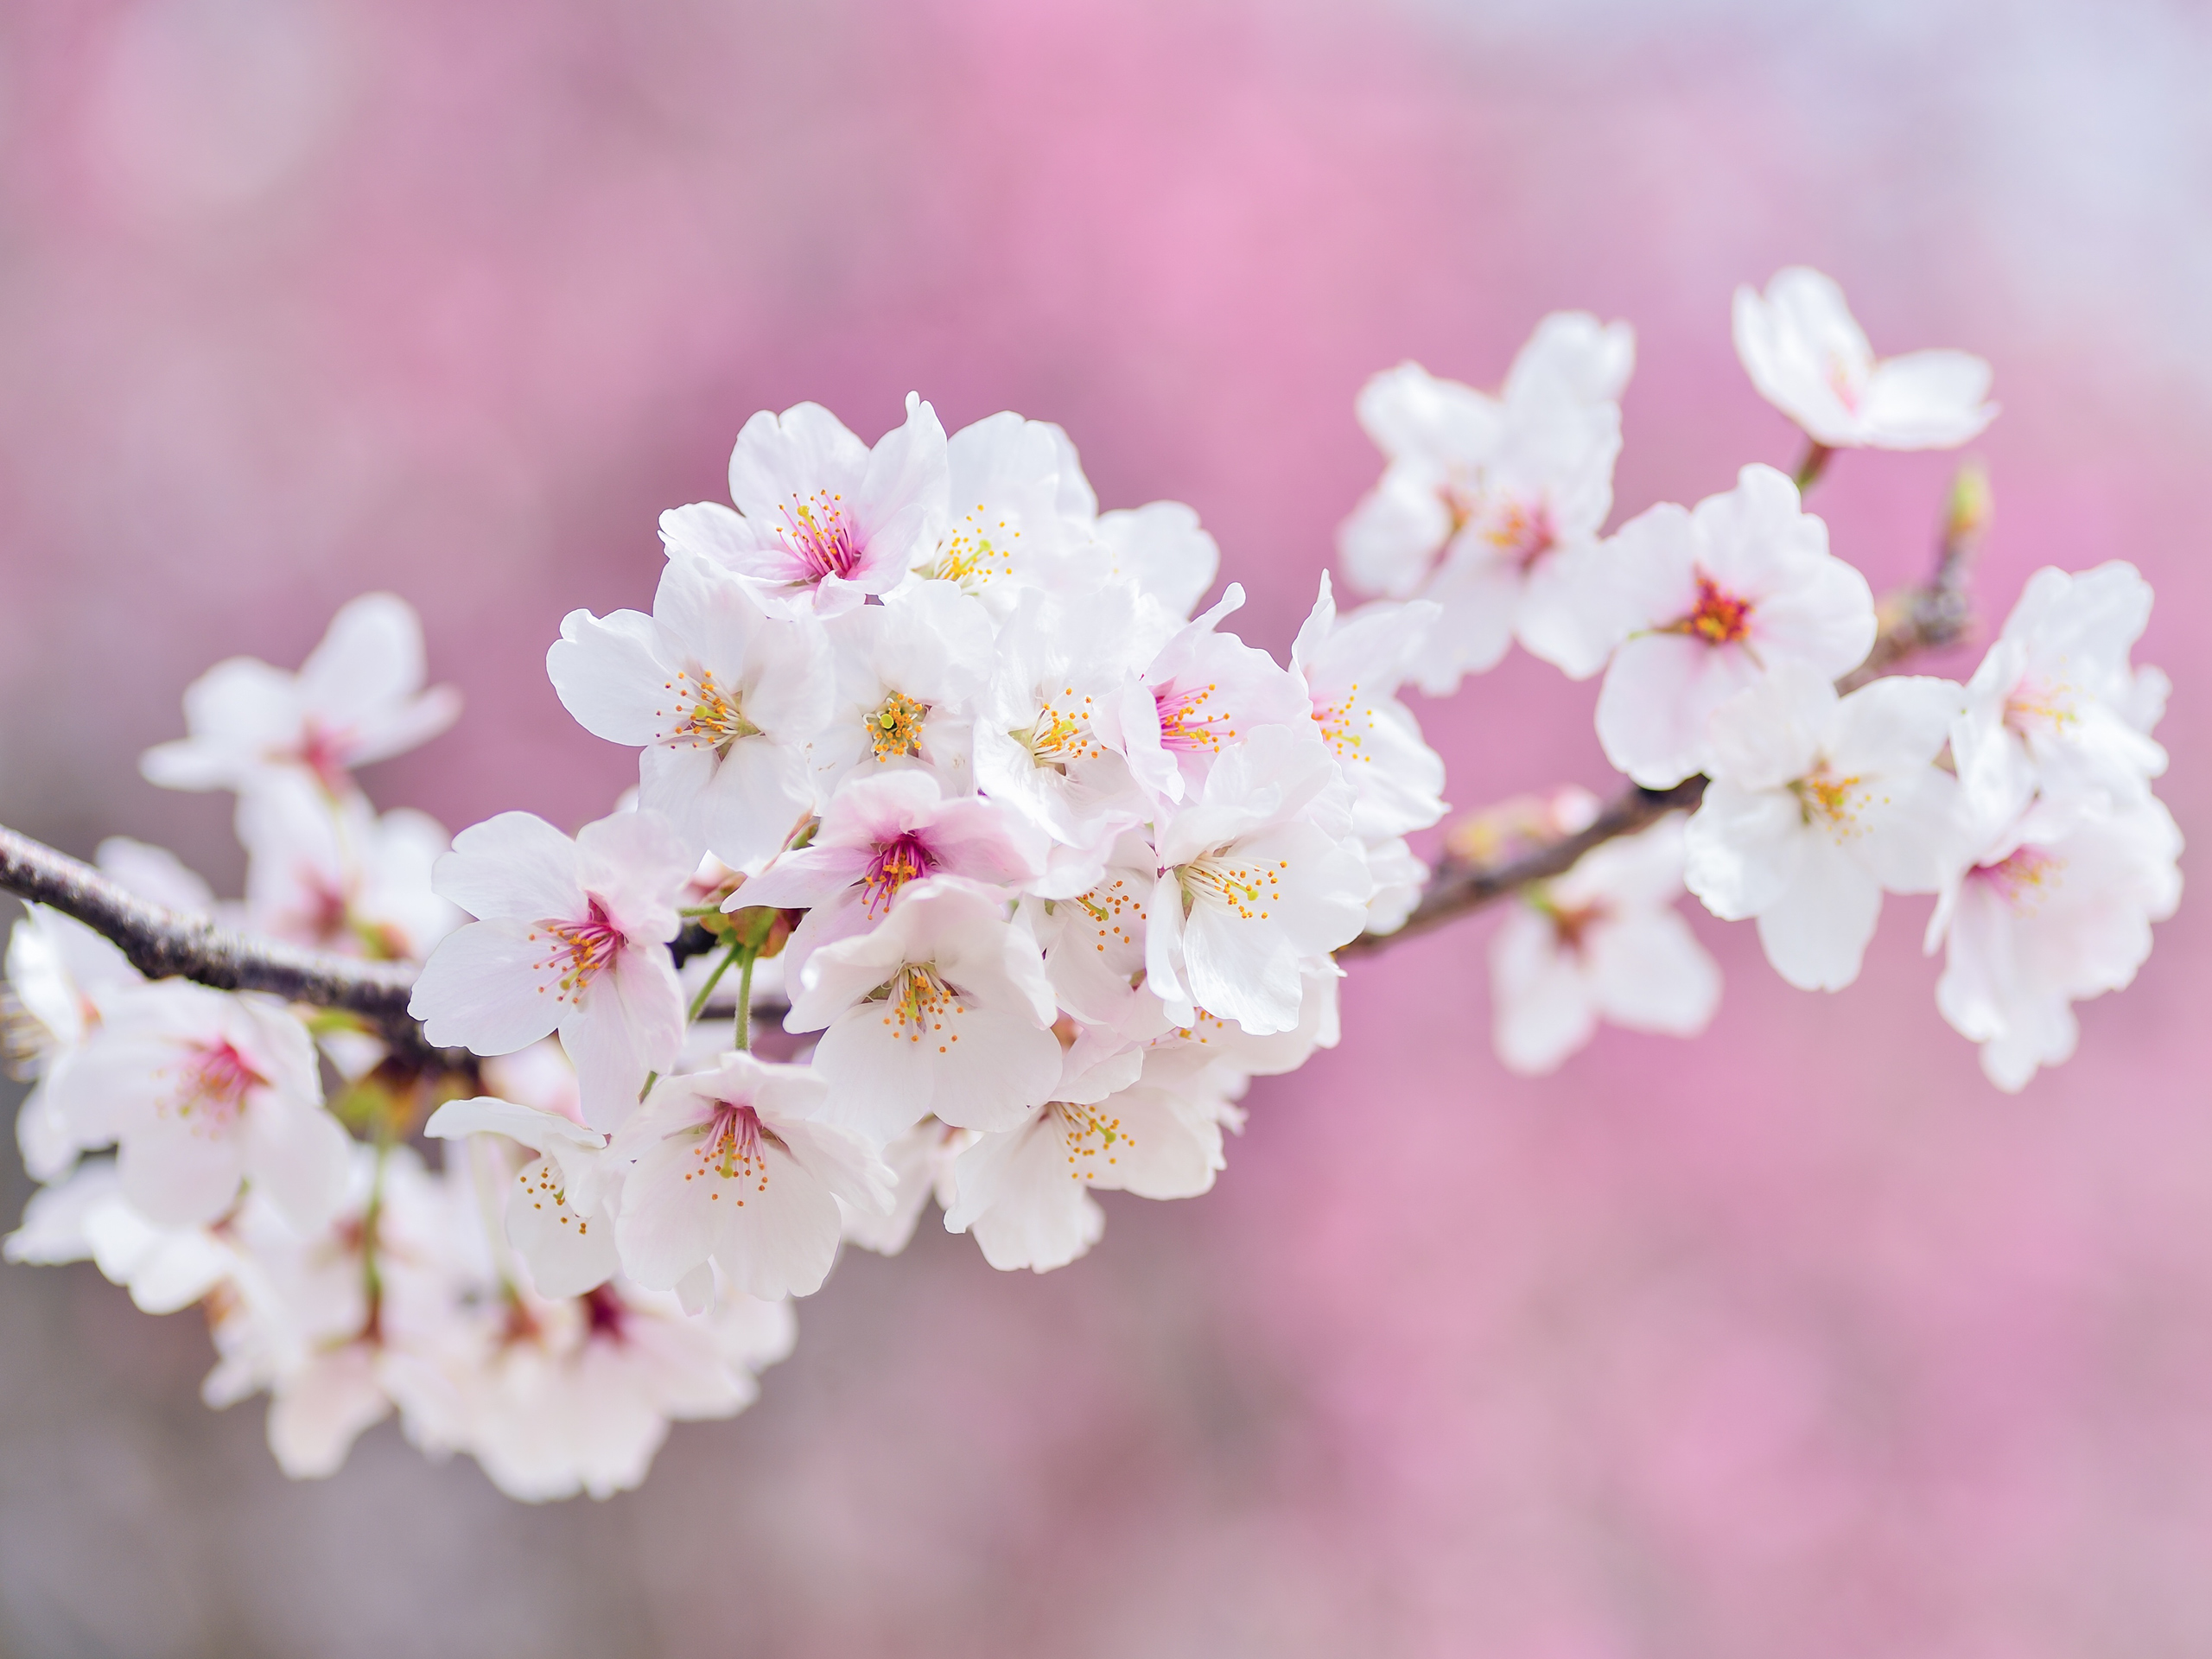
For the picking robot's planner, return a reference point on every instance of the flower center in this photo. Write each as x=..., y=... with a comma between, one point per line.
x=1822, y=796
x=1718, y=619
x=605, y=1315
x=212, y=1085
x=1186, y=724
x=709, y=716
x=1250, y=890
x=2048, y=704
x=580, y=952
x=894, y=726
x=1060, y=737
x=1843, y=380
x=918, y=1002
x=323, y=751
x=1337, y=721
x=733, y=1147
x=1571, y=924
x=1522, y=531
x=820, y=537
x=2024, y=878
x=1089, y=1134
x=906, y=857
x=970, y=557
x=1108, y=905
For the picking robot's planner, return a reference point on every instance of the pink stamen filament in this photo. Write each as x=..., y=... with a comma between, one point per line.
x=822, y=537
x=1184, y=726
x=582, y=950
x=906, y=857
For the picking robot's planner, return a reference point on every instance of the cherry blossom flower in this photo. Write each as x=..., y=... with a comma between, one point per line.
x=59, y=972
x=1005, y=530
x=877, y=836
x=560, y=1206
x=822, y=521
x=944, y=1009
x=920, y=1161
x=201, y=1091
x=734, y=1165
x=2056, y=705
x=909, y=672
x=1048, y=738
x=1709, y=599
x=1025, y=1193
x=1094, y=943
x=1159, y=548
x=1257, y=876
x=1808, y=356
x=1352, y=667
x=358, y=698
x=721, y=697
x=571, y=936
x=1818, y=805
x=1203, y=689
x=85, y=1217
x=327, y=872
x=1602, y=942
x=1492, y=507
x=558, y=1397
x=2056, y=909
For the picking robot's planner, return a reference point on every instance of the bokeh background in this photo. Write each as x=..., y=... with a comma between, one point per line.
x=1800, y=1340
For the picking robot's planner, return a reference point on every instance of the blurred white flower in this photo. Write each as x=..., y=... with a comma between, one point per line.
x=1809, y=358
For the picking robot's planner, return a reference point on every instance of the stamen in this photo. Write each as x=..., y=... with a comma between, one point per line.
x=1185, y=725
x=1060, y=737
x=2024, y=879
x=1089, y=1134
x=918, y=1003
x=1522, y=531
x=1250, y=890
x=212, y=1085
x=894, y=726
x=1720, y=619
x=902, y=859
x=580, y=950
x=707, y=715
x=733, y=1147
x=1339, y=722
x=820, y=537
x=972, y=555
x=1822, y=796
x=2049, y=704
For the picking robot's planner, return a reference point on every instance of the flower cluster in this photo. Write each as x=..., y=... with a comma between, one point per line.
x=1036, y=864
x=2022, y=798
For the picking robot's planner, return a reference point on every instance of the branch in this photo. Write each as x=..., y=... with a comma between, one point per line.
x=164, y=943
x=1931, y=616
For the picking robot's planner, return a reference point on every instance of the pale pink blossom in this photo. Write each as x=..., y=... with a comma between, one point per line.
x=1809, y=357
x=1352, y=667
x=85, y=1217
x=559, y=1207
x=1604, y=942
x=822, y=521
x=202, y=1090
x=572, y=936
x=909, y=672
x=328, y=871
x=1205, y=690
x=734, y=1165
x=721, y=698
x=944, y=1009
x=358, y=698
x=1005, y=530
x=1818, y=805
x=1707, y=599
x=2056, y=909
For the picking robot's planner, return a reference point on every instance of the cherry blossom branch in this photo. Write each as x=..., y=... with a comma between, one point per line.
x=1929, y=615
x=163, y=943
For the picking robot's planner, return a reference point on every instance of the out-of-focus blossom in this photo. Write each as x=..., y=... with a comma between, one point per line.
x=1492, y=507
x=1704, y=602
x=201, y=1090
x=721, y=697
x=823, y=520
x=2055, y=910
x=328, y=871
x=1603, y=942
x=571, y=936
x=1808, y=356
x=358, y=698
x=1820, y=804
x=2055, y=706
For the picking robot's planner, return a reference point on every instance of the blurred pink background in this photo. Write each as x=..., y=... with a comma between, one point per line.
x=1798, y=1340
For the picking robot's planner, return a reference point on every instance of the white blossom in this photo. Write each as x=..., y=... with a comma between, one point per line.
x=1818, y=805
x=358, y=698
x=1352, y=667
x=1203, y=689
x=734, y=1165
x=721, y=697
x=823, y=520
x=572, y=936
x=909, y=672
x=1704, y=602
x=1808, y=356
x=560, y=1206
x=944, y=1009
x=2055, y=909
x=328, y=871
x=1602, y=942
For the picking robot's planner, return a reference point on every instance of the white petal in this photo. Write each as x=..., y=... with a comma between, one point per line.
x=1816, y=934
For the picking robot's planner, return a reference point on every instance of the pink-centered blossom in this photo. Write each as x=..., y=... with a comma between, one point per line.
x=358, y=698
x=734, y=1165
x=1809, y=357
x=326, y=871
x=1203, y=693
x=1352, y=667
x=1705, y=601
x=571, y=936
x=823, y=520
x=944, y=1009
